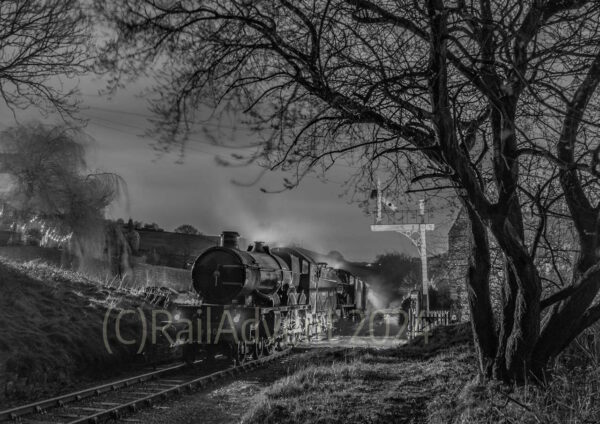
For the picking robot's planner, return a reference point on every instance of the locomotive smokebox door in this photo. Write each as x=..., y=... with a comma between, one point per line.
x=227, y=275
x=219, y=275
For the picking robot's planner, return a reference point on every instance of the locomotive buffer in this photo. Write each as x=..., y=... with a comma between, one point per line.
x=413, y=224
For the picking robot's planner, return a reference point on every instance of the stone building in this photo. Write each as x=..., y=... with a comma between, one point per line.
x=459, y=247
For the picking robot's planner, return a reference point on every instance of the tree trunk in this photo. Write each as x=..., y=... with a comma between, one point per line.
x=564, y=321
x=482, y=317
x=505, y=353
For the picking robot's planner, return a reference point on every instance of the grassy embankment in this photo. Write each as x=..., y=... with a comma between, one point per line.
x=51, y=330
x=433, y=383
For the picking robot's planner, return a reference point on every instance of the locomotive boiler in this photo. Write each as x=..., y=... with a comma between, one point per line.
x=226, y=274
x=256, y=300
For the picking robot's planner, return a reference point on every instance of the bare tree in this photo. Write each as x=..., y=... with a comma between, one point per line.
x=50, y=182
x=495, y=100
x=41, y=40
x=40, y=161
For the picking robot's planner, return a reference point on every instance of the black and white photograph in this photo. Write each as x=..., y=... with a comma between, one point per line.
x=300, y=211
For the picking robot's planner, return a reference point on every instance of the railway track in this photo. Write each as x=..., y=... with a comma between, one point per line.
x=126, y=396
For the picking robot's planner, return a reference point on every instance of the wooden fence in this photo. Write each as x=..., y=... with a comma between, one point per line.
x=424, y=321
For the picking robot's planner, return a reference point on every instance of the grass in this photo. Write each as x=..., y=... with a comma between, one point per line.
x=572, y=397
x=51, y=331
x=51, y=337
x=369, y=386
x=434, y=383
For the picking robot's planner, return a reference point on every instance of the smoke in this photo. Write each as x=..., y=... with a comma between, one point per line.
x=380, y=294
x=259, y=217
x=281, y=232
x=376, y=299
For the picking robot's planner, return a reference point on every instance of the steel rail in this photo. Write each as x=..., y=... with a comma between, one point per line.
x=133, y=406
x=43, y=406
x=62, y=400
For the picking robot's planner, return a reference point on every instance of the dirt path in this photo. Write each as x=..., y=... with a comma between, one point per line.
x=325, y=385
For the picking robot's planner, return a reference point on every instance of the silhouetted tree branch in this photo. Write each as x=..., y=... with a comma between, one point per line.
x=42, y=45
x=497, y=99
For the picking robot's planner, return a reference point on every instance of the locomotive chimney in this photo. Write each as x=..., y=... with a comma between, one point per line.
x=230, y=239
x=259, y=247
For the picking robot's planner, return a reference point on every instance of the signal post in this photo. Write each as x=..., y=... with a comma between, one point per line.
x=413, y=225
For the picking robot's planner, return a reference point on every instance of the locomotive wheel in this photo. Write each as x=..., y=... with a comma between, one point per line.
x=292, y=339
x=240, y=352
x=281, y=345
x=258, y=349
x=267, y=348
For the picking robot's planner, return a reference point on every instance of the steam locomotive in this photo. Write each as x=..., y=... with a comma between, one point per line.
x=252, y=302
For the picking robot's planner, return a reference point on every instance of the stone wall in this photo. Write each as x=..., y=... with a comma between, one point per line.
x=459, y=246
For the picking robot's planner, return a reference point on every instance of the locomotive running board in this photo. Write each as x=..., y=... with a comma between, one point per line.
x=286, y=308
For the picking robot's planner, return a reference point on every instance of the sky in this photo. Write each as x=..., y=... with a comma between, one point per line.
x=202, y=193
